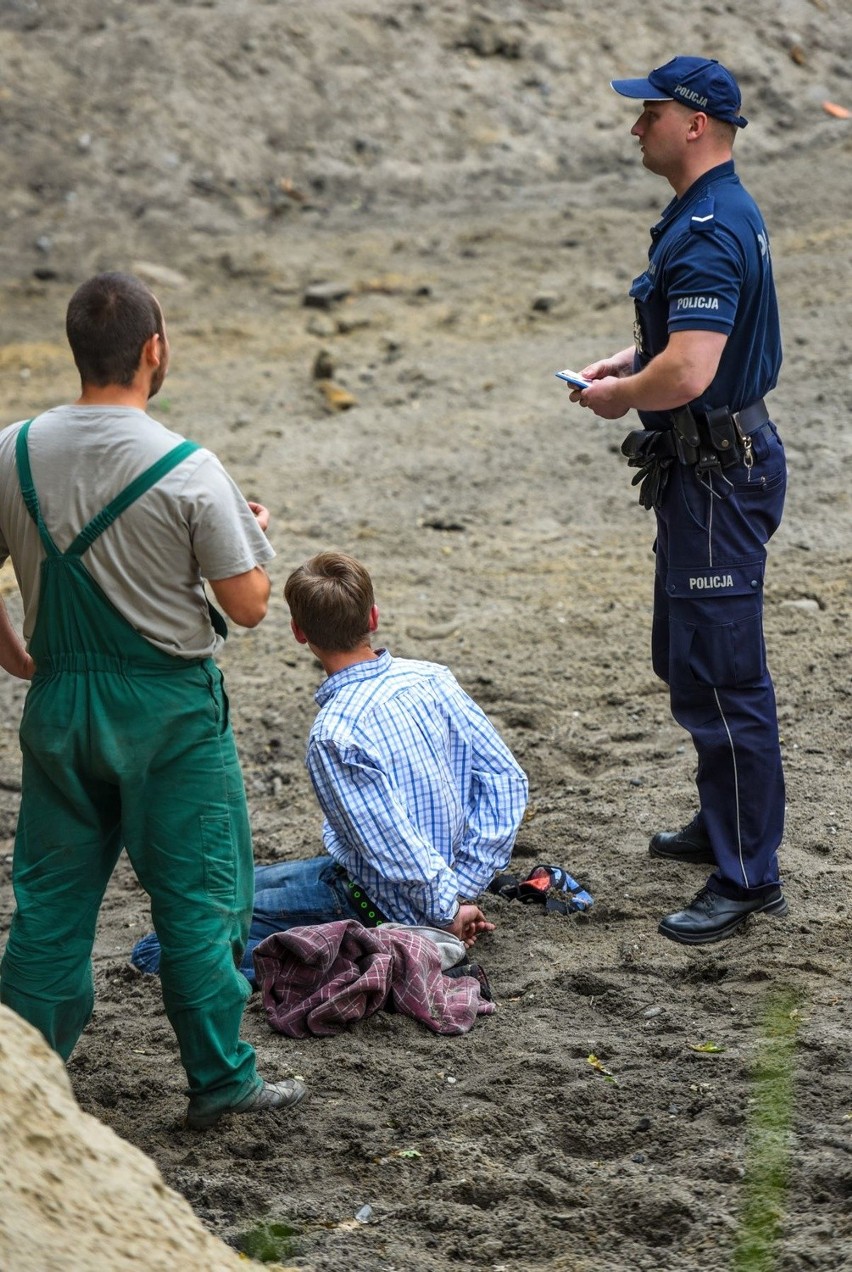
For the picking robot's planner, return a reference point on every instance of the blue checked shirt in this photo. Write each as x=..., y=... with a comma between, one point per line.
x=422, y=798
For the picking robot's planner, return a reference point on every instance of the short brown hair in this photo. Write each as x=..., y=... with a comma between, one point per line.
x=724, y=131
x=109, y=320
x=330, y=598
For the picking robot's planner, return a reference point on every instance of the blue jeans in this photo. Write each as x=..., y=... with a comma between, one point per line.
x=286, y=895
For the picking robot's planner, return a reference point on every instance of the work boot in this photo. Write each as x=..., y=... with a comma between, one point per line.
x=270, y=1095
x=690, y=844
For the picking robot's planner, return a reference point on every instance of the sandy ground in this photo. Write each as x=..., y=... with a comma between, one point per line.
x=470, y=184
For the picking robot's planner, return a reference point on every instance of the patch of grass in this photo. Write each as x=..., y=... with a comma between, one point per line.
x=768, y=1136
x=269, y=1242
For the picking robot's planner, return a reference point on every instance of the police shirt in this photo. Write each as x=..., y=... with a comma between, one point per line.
x=709, y=269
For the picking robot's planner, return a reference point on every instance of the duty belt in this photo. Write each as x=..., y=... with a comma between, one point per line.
x=709, y=442
x=719, y=437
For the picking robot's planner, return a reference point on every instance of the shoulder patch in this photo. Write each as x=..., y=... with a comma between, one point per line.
x=703, y=219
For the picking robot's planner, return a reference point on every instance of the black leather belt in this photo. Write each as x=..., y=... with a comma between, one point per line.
x=717, y=437
x=751, y=417
x=748, y=420
x=708, y=442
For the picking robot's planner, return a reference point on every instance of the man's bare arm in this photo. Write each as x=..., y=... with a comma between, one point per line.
x=13, y=654
x=244, y=597
x=674, y=377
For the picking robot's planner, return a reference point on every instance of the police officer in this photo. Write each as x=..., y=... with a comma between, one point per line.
x=112, y=523
x=707, y=352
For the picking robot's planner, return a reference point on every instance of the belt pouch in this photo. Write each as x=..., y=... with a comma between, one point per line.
x=636, y=446
x=725, y=437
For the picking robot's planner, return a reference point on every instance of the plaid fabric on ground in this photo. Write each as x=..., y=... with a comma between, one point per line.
x=317, y=980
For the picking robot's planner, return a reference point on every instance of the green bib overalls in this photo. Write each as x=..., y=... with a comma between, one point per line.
x=127, y=746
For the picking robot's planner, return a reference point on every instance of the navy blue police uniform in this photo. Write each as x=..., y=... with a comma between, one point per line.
x=709, y=268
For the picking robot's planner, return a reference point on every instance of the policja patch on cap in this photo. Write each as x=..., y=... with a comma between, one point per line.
x=698, y=82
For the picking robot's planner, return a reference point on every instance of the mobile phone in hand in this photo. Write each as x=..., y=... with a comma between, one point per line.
x=571, y=377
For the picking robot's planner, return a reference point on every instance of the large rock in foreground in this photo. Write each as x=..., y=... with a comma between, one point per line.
x=72, y=1194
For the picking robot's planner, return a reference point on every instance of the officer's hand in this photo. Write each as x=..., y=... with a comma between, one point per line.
x=619, y=365
x=604, y=397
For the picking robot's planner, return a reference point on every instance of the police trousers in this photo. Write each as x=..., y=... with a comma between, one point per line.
x=708, y=646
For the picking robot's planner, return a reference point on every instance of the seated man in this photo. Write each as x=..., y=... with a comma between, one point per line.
x=422, y=799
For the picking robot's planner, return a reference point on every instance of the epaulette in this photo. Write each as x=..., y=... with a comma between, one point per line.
x=703, y=219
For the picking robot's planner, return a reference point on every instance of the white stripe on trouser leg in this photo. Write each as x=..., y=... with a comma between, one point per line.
x=736, y=787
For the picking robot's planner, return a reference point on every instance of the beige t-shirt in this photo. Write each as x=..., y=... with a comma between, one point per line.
x=193, y=525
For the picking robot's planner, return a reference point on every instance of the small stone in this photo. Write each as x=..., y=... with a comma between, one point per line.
x=159, y=275
x=365, y=1214
x=491, y=38
x=321, y=325
x=245, y=263
x=651, y=1012
x=441, y=631
x=807, y=604
x=336, y=397
x=644, y=1124
x=44, y=243
x=323, y=365
x=347, y=323
x=325, y=295
x=638, y=1157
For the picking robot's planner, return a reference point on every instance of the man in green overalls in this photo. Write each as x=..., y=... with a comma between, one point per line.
x=112, y=523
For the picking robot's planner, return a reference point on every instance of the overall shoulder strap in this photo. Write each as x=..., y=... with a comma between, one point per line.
x=28, y=490
x=122, y=501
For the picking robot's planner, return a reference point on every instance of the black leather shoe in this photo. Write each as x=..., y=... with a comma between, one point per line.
x=711, y=917
x=690, y=844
